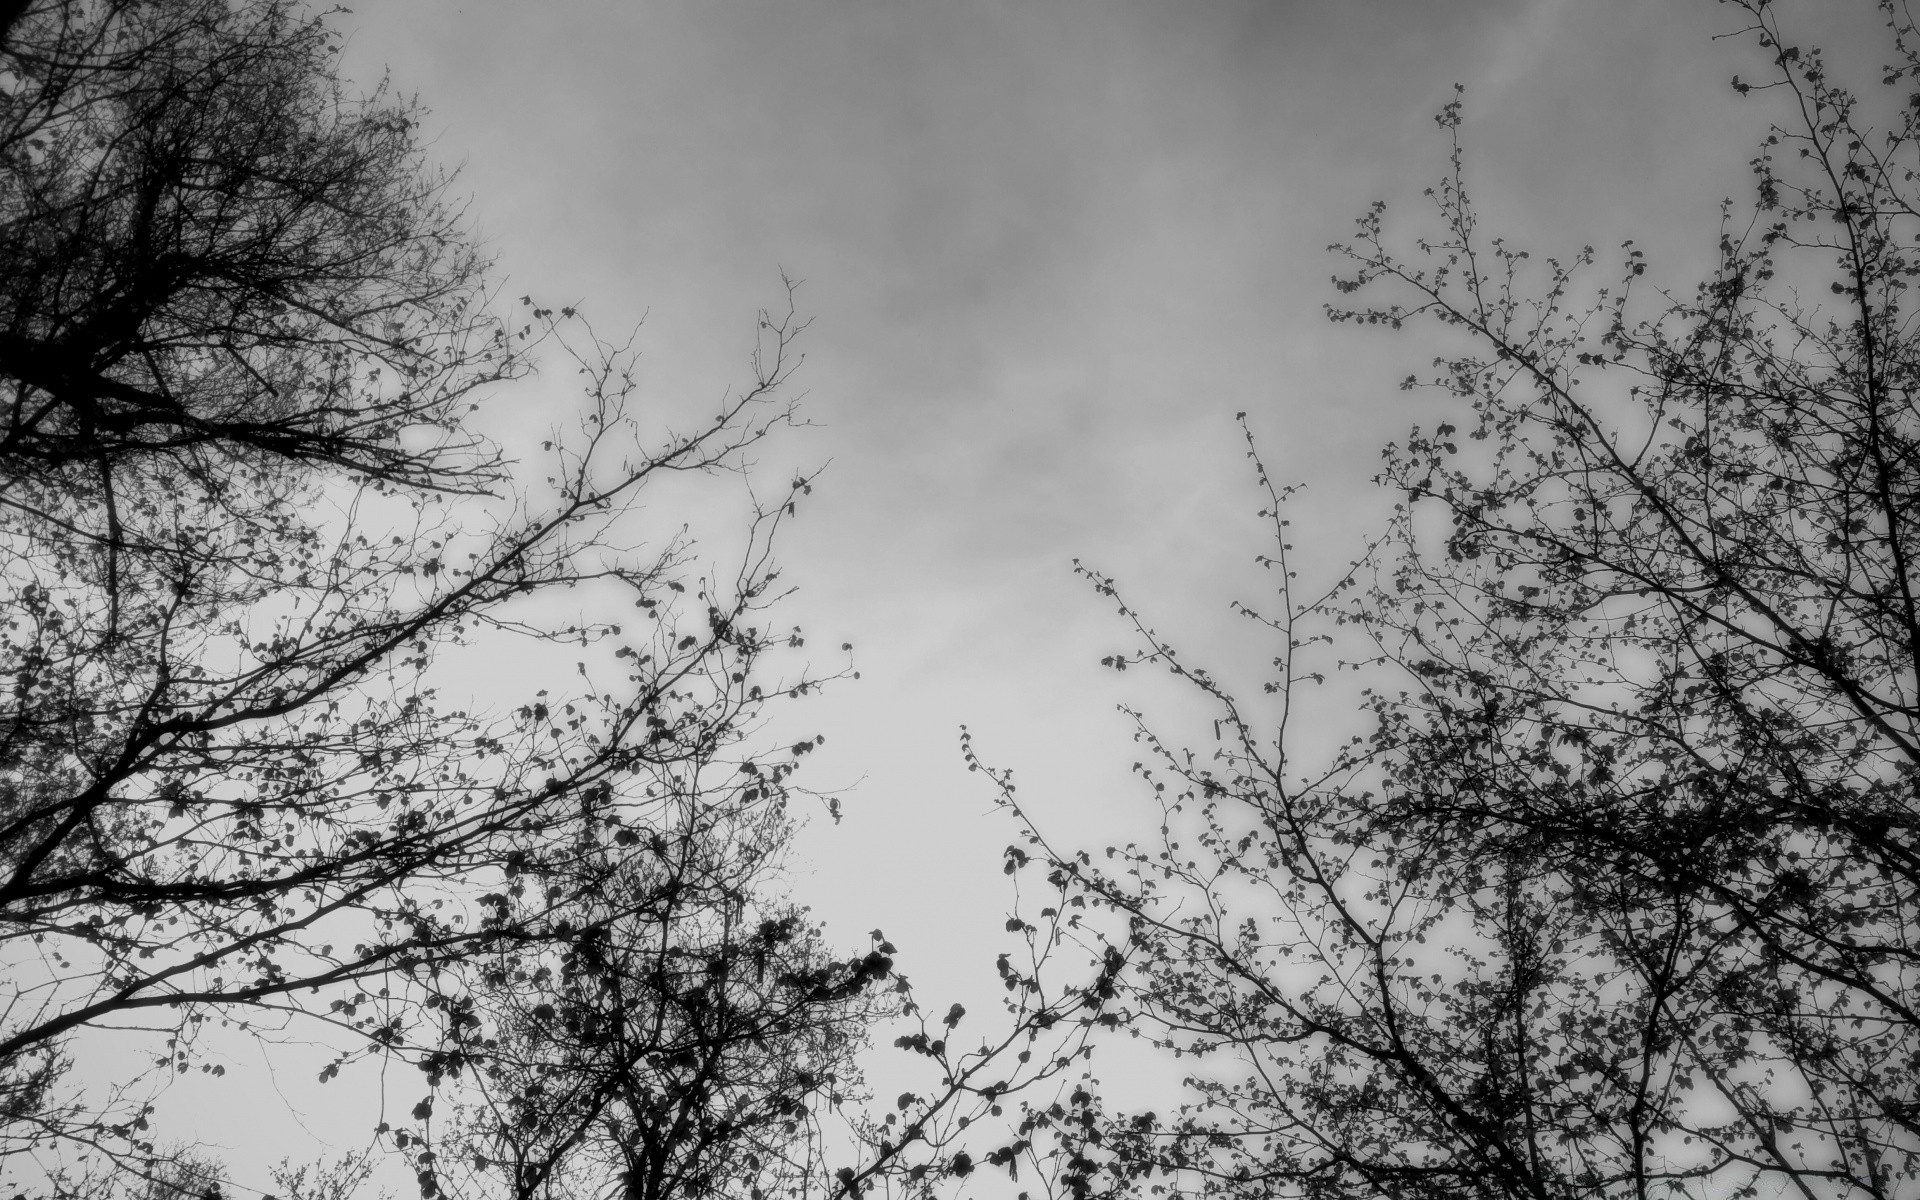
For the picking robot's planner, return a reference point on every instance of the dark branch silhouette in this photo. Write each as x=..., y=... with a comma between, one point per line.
x=1615, y=891
x=250, y=532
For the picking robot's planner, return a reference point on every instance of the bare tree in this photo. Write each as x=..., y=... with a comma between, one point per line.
x=1618, y=894
x=247, y=524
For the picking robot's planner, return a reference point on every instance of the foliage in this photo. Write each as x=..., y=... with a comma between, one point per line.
x=979, y=1106
x=686, y=1044
x=1620, y=893
x=250, y=529
x=185, y=1177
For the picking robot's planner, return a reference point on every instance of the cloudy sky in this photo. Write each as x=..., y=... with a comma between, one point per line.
x=1049, y=248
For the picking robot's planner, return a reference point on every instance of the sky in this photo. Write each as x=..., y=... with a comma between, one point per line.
x=1049, y=249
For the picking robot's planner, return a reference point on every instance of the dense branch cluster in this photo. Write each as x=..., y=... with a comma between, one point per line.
x=248, y=531
x=252, y=537
x=1620, y=894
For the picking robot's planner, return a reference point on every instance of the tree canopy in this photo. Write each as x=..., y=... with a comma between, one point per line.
x=248, y=521
x=1615, y=892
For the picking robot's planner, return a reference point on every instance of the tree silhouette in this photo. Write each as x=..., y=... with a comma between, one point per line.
x=1617, y=894
x=249, y=523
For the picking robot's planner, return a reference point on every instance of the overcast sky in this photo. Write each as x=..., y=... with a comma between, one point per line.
x=1050, y=247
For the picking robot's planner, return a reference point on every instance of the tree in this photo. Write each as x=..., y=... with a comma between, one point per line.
x=249, y=527
x=1618, y=891
x=688, y=1044
x=211, y=246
